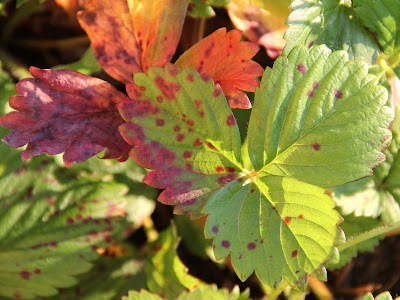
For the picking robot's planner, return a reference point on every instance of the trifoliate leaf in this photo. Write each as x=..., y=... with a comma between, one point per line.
x=354, y=226
x=330, y=22
x=317, y=118
x=261, y=23
x=49, y=232
x=166, y=274
x=222, y=56
x=111, y=278
x=87, y=65
x=64, y=111
x=382, y=18
x=127, y=38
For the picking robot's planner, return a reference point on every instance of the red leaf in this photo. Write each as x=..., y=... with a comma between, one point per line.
x=110, y=30
x=65, y=111
x=227, y=60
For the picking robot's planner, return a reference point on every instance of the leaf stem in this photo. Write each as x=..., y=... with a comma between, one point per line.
x=202, y=29
x=368, y=235
x=275, y=294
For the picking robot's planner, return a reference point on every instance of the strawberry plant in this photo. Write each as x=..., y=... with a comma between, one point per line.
x=304, y=181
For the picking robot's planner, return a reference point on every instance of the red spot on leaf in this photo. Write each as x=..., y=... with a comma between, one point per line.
x=252, y=191
x=190, y=77
x=310, y=94
x=197, y=142
x=205, y=77
x=230, y=169
x=160, y=122
x=251, y=246
x=17, y=294
x=198, y=103
x=294, y=253
x=177, y=128
x=201, y=113
x=287, y=220
x=219, y=169
x=165, y=156
x=208, y=51
x=156, y=248
x=168, y=89
x=210, y=145
x=225, y=244
x=187, y=154
x=94, y=248
x=338, y=94
x=217, y=91
x=188, y=167
x=301, y=217
x=225, y=179
x=160, y=99
x=54, y=244
x=37, y=271
x=315, y=85
x=25, y=275
x=310, y=44
x=70, y=221
x=316, y=146
x=180, y=137
x=302, y=68
x=231, y=121
x=190, y=122
x=173, y=71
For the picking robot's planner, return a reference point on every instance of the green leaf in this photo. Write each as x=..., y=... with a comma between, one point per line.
x=202, y=8
x=166, y=274
x=142, y=295
x=49, y=231
x=318, y=121
x=354, y=226
x=378, y=195
x=382, y=18
x=381, y=296
x=86, y=65
x=330, y=22
x=110, y=278
x=211, y=292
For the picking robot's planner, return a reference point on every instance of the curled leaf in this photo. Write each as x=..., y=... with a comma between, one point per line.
x=158, y=26
x=222, y=56
x=110, y=30
x=64, y=111
x=128, y=36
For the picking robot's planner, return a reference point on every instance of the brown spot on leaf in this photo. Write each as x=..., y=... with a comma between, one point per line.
x=302, y=68
x=215, y=229
x=294, y=253
x=25, y=275
x=190, y=77
x=197, y=142
x=180, y=137
x=338, y=94
x=231, y=121
x=160, y=122
x=287, y=220
x=177, y=128
x=187, y=154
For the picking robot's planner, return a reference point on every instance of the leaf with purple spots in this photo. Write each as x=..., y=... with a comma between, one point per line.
x=228, y=62
x=65, y=111
x=274, y=217
x=333, y=23
x=50, y=232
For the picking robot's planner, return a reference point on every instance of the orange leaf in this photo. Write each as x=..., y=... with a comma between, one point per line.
x=110, y=30
x=228, y=61
x=158, y=26
x=128, y=36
